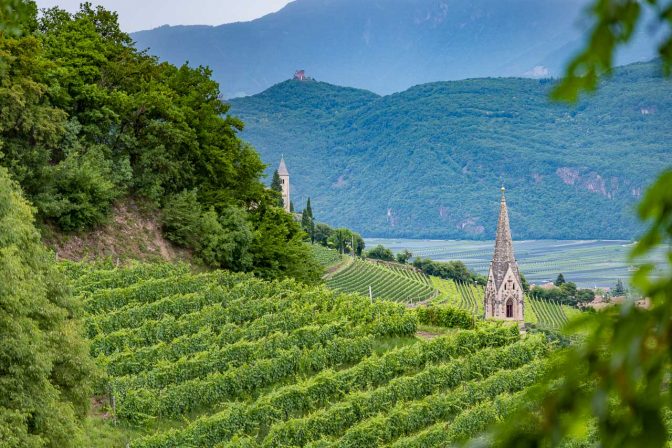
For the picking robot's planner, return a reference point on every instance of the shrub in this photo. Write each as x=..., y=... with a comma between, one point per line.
x=445, y=316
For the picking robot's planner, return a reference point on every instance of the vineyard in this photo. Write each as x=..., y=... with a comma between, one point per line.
x=397, y=284
x=222, y=359
x=325, y=257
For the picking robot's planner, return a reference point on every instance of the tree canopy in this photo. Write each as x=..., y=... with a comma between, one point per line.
x=88, y=119
x=44, y=362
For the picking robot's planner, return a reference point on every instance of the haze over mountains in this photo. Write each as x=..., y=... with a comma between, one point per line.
x=428, y=162
x=384, y=45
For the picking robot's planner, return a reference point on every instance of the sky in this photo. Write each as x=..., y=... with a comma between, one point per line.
x=136, y=15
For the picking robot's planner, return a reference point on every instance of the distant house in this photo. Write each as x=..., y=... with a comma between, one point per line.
x=300, y=75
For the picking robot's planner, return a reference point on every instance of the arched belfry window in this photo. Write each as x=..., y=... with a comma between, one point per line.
x=509, y=308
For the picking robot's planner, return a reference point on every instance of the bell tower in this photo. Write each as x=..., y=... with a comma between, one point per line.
x=504, y=295
x=284, y=182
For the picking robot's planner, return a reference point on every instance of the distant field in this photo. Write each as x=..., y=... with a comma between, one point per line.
x=588, y=263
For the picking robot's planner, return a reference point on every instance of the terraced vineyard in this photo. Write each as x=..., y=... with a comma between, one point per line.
x=549, y=315
x=221, y=359
x=471, y=297
x=325, y=256
x=396, y=284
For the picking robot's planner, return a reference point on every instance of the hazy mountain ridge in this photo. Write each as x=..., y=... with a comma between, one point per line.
x=383, y=46
x=428, y=162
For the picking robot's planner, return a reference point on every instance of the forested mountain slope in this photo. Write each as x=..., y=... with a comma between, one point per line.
x=384, y=46
x=428, y=162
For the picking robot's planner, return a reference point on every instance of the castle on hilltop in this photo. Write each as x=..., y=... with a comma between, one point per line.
x=504, y=295
x=284, y=183
x=300, y=75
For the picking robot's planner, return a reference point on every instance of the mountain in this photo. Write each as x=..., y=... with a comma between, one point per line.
x=384, y=45
x=429, y=162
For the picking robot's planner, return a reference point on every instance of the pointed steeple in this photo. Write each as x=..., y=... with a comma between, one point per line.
x=282, y=169
x=503, y=256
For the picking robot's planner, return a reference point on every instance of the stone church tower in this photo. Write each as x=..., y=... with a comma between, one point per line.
x=504, y=297
x=284, y=182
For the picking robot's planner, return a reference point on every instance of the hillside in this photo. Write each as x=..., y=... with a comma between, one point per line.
x=428, y=162
x=222, y=359
x=384, y=46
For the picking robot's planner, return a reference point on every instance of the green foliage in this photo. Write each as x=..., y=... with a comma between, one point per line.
x=560, y=280
x=307, y=221
x=567, y=293
x=343, y=239
x=619, y=290
x=88, y=119
x=614, y=24
x=16, y=16
x=277, y=247
x=450, y=270
x=380, y=253
x=46, y=370
x=80, y=191
x=276, y=185
x=403, y=257
x=445, y=316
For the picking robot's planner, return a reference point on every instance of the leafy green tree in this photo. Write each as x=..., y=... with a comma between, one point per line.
x=278, y=249
x=403, y=257
x=450, y=270
x=380, y=252
x=88, y=119
x=560, y=280
x=14, y=14
x=291, y=207
x=181, y=218
x=619, y=290
x=322, y=233
x=46, y=370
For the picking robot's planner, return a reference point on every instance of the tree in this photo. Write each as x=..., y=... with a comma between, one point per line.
x=322, y=233
x=291, y=207
x=46, y=369
x=278, y=250
x=276, y=185
x=307, y=222
x=403, y=257
x=560, y=280
x=380, y=253
x=619, y=290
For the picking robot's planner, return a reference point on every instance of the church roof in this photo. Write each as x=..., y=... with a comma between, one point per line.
x=282, y=169
x=503, y=258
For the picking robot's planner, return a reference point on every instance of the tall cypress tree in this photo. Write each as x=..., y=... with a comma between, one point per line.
x=311, y=232
x=276, y=186
x=307, y=221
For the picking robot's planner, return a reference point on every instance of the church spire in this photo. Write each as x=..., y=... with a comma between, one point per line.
x=503, y=243
x=504, y=297
x=503, y=257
